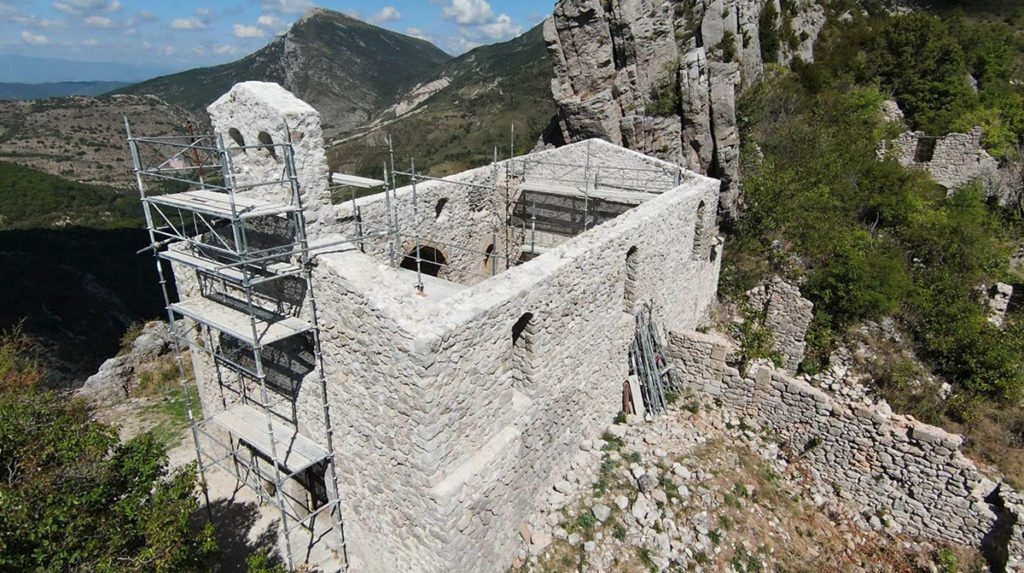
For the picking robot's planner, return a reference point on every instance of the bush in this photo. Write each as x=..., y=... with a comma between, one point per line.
x=74, y=498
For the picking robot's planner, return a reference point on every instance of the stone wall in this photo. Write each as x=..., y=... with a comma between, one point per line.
x=455, y=215
x=910, y=473
x=698, y=359
x=786, y=314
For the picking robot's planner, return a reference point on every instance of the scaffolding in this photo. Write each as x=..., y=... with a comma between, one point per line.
x=253, y=316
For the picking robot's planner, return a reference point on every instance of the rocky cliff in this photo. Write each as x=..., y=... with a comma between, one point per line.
x=662, y=76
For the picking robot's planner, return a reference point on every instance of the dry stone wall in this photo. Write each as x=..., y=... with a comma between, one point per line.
x=909, y=473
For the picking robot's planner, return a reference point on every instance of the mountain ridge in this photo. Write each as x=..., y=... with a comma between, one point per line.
x=345, y=68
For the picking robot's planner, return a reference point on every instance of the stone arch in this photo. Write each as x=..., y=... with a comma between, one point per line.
x=431, y=260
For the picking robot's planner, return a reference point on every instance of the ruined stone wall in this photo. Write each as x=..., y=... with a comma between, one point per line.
x=786, y=314
x=911, y=473
x=955, y=160
x=379, y=381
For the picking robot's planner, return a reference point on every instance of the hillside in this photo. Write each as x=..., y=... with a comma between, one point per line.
x=83, y=138
x=347, y=69
x=455, y=121
x=67, y=255
x=56, y=89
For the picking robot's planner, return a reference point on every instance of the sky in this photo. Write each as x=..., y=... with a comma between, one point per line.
x=183, y=34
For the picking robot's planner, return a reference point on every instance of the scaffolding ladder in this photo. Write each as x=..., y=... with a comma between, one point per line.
x=245, y=323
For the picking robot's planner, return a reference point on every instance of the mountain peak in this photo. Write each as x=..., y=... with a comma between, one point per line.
x=321, y=12
x=343, y=67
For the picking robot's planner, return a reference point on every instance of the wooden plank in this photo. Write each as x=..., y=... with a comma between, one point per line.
x=217, y=268
x=219, y=204
x=294, y=451
x=237, y=324
x=355, y=181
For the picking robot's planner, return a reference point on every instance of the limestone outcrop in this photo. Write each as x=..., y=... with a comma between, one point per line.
x=662, y=77
x=115, y=378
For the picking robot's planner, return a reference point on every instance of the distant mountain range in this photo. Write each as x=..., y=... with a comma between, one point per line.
x=30, y=70
x=56, y=89
x=345, y=68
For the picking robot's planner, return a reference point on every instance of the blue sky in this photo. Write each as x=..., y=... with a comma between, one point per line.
x=189, y=33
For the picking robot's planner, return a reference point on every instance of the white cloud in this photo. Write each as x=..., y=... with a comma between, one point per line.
x=460, y=44
x=167, y=51
x=241, y=31
x=225, y=50
x=146, y=45
x=502, y=28
x=386, y=14
x=81, y=7
x=99, y=22
x=417, y=33
x=203, y=11
x=36, y=22
x=140, y=17
x=187, y=24
x=90, y=42
x=34, y=39
x=468, y=12
x=268, y=20
x=286, y=6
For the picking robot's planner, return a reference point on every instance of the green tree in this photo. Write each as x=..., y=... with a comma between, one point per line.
x=75, y=499
x=921, y=62
x=768, y=33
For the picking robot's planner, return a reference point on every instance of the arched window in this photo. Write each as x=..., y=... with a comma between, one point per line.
x=489, y=258
x=522, y=351
x=629, y=289
x=268, y=143
x=236, y=135
x=699, y=230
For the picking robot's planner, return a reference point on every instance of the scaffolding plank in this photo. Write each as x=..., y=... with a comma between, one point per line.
x=295, y=452
x=560, y=189
x=237, y=324
x=355, y=181
x=234, y=273
x=219, y=204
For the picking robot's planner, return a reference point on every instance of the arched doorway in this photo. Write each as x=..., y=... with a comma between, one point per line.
x=431, y=260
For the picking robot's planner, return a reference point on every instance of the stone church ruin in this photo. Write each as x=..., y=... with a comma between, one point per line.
x=422, y=360
x=401, y=371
